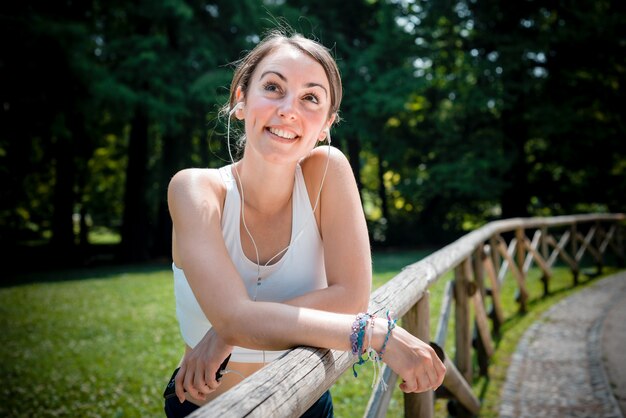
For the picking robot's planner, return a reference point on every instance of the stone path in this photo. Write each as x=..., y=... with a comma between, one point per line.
x=572, y=362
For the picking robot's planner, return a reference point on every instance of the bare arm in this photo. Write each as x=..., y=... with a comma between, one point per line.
x=344, y=232
x=194, y=206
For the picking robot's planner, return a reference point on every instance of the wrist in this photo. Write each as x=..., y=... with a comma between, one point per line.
x=391, y=324
x=379, y=333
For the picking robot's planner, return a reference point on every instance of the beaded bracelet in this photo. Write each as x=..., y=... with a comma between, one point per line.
x=391, y=324
x=358, y=331
x=357, y=338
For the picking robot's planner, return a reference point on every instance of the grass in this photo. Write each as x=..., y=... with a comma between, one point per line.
x=103, y=235
x=102, y=343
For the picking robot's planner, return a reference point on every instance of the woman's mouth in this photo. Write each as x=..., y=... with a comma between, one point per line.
x=288, y=135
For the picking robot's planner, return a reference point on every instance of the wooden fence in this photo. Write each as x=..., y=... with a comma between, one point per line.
x=480, y=260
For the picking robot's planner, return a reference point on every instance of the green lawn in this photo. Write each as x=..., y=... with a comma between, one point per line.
x=102, y=343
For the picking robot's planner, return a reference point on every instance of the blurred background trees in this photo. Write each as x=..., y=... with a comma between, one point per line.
x=455, y=113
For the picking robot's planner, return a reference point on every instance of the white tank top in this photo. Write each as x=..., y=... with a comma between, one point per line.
x=299, y=271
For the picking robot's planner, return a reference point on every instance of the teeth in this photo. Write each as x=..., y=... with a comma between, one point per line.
x=282, y=134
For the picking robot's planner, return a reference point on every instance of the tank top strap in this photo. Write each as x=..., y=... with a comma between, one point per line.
x=232, y=204
x=303, y=209
x=226, y=173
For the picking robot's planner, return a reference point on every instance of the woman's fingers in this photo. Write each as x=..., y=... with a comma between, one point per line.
x=199, y=381
x=434, y=367
x=419, y=365
x=209, y=378
x=409, y=386
x=180, y=391
x=188, y=384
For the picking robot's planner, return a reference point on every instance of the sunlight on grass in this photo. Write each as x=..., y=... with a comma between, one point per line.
x=101, y=235
x=92, y=348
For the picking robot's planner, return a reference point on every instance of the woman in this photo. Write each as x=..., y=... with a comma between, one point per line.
x=272, y=251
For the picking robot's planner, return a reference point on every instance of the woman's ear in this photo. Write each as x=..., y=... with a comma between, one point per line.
x=331, y=120
x=326, y=131
x=239, y=106
x=239, y=111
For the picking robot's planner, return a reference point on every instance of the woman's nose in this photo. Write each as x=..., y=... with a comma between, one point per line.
x=287, y=108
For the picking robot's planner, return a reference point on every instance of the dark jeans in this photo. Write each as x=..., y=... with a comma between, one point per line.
x=322, y=408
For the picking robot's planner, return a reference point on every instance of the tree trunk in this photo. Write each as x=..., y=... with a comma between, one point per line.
x=135, y=240
x=62, y=225
x=515, y=197
x=171, y=163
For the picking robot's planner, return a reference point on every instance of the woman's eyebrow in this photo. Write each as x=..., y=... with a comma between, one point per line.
x=308, y=85
x=282, y=77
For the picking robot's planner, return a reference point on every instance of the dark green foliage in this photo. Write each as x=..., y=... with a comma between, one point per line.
x=454, y=113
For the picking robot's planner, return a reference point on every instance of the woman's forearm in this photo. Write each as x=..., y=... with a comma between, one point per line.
x=335, y=298
x=276, y=326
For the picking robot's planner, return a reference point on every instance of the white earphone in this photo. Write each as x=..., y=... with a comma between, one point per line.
x=238, y=106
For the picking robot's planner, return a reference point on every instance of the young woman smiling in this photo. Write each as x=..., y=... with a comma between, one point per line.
x=272, y=251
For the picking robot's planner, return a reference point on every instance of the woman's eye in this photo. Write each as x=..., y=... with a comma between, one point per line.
x=271, y=87
x=312, y=98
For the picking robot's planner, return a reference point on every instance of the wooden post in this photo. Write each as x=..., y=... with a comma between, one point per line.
x=479, y=274
x=545, y=253
x=462, y=320
x=481, y=349
x=574, y=246
x=619, y=243
x=600, y=259
x=456, y=385
x=520, y=236
x=497, y=314
x=416, y=321
x=495, y=255
x=545, y=250
x=482, y=324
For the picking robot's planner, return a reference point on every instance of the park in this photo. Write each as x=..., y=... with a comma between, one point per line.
x=487, y=145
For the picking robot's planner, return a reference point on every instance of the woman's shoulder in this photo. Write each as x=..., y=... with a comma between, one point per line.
x=314, y=164
x=197, y=186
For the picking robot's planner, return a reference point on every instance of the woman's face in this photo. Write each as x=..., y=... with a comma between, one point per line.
x=286, y=106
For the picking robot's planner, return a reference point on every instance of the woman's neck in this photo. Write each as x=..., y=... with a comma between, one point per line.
x=267, y=187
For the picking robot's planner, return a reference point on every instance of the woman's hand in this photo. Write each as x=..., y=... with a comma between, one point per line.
x=199, y=367
x=414, y=361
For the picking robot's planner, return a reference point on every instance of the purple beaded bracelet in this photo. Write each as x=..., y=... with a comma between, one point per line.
x=357, y=338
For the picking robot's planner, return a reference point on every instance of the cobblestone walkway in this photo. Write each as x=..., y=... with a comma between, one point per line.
x=558, y=370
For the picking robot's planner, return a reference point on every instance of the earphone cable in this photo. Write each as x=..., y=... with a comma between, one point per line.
x=243, y=217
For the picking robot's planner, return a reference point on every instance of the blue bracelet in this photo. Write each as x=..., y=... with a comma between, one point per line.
x=391, y=324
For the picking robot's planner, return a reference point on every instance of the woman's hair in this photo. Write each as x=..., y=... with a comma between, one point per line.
x=246, y=66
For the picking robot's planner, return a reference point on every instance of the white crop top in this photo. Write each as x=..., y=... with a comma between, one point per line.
x=300, y=270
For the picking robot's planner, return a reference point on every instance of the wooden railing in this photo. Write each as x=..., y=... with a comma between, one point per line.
x=480, y=260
